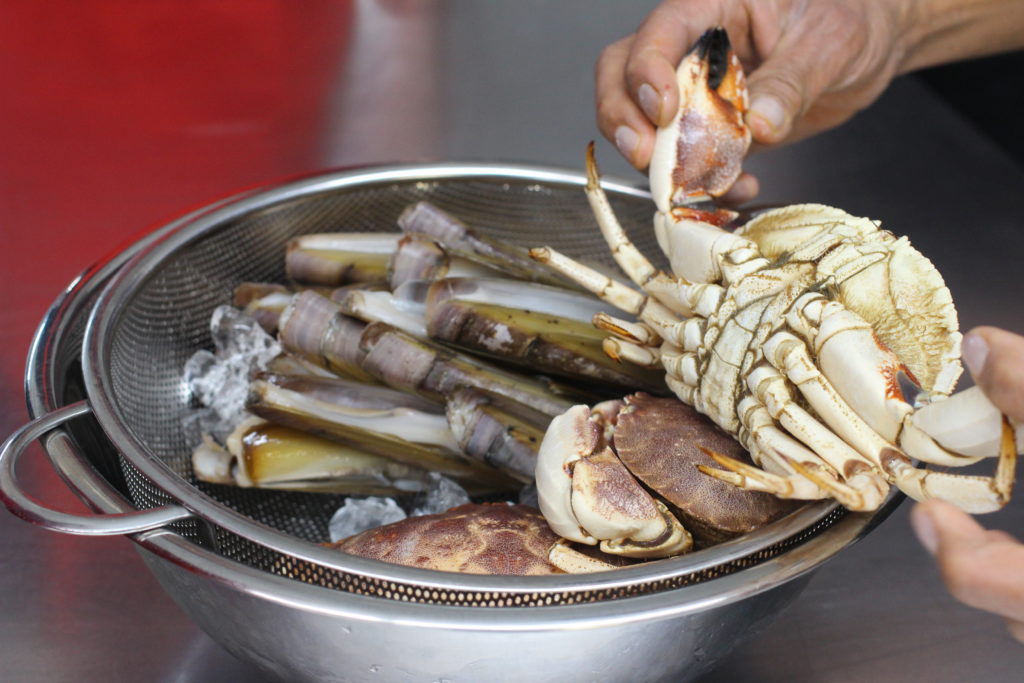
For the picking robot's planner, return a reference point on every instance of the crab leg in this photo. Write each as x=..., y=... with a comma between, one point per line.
x=966, y=422
x=674, y=292
x=865, y=374
x=973, y=494
x=769, y=386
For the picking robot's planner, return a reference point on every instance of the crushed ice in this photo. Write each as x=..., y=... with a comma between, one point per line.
x=442, y=494
x=360, y=514
x=219, y=380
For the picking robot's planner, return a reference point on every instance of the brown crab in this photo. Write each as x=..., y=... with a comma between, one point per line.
x=592, y=458
x=487, y=538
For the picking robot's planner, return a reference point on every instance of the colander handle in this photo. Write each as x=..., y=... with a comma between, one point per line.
x=28, y=509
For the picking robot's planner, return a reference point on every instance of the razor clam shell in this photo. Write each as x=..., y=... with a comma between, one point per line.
x=420, y=257
x=313, y=327
x=261, y=454
x=247, y=292
x=379, y=306
x=404, y=362
x=502, y=433
x=403, y=434
x=290, y=364
x=274, y=456
x=549, y=329
x=458, y=239
x=350, y=394
x=336, y=258
x=266, y=301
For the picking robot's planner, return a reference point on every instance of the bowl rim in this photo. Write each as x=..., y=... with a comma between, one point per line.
x=133, y=271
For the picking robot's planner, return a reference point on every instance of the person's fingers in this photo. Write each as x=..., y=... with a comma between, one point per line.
x=995, y=358
x=781, y=89
x=980, y=568
x=1016, y=629
x=667, y=34
x=618, y=117
x=742, y=191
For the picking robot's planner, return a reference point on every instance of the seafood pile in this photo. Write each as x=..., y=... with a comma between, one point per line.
x=399, y=354
x=812, y=355
x=825, y=345
x=390, y=360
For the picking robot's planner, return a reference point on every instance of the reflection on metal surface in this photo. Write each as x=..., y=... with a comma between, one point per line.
x=387, y=106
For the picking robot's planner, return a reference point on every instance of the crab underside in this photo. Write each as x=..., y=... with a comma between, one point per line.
x=827, y=346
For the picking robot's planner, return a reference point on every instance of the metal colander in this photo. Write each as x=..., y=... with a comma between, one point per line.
x=155, y=314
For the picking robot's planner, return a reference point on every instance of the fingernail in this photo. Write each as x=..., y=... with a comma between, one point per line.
x=650, y=102
x=769, y=109
x=626, y=140
x=974, y=351
x=924, y=528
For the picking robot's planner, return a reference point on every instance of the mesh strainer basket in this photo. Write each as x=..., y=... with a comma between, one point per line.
x=155, y=313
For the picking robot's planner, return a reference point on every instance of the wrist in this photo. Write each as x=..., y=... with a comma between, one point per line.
x=934, y=32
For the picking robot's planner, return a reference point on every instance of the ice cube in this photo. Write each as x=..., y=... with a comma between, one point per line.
x=442, y=494
x=220, y=380
x=236, y=334
x=204, y=374
x=359, y=514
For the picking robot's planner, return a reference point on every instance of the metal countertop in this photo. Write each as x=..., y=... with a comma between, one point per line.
x=117, y=118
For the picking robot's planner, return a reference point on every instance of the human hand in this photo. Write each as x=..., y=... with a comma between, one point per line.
x=982, y=568
x=810, y=66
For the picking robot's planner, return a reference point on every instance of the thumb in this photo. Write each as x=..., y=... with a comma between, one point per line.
x=944, y=529
x=780, y=90
x=995, y=358
x=981, y=568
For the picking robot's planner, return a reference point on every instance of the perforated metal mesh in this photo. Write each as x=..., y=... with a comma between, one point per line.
x=166, y=319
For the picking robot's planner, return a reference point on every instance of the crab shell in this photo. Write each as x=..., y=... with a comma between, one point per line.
x=590, y=460
x=663, y=441
x=490, y=538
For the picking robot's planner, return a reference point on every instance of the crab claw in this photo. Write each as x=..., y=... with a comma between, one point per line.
x=700, y=153
x=588, y=496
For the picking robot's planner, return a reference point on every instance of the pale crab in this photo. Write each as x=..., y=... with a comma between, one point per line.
x=804, y=333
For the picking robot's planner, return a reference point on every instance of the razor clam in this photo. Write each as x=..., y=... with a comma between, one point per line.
x=261, y=454
x=504, y=434
x=426, y=368
x=336, y=258
x=458, y=239
x=419, y=257
x=265, y=301
x=314, y=328
x=382, y=422
x=537, y=326
x=291, y=364
x=262, y=301
x=381, y=306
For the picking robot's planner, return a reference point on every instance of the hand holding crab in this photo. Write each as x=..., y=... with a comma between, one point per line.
x=803, y=334
x=812, y=64
x=981, y=568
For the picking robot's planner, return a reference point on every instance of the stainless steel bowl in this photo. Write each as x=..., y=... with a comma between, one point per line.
x=223, y=555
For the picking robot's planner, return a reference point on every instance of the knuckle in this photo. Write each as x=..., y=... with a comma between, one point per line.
x=607, y=117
